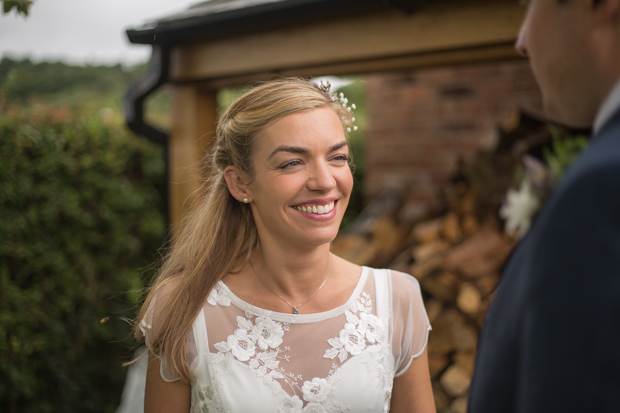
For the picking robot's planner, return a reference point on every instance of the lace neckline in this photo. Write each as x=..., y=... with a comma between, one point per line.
x=298, y=318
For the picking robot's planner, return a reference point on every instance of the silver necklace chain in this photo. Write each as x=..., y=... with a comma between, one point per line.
x=294, y=307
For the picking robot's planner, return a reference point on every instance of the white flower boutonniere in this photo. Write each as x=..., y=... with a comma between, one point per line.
x=519, y=208
x=538, y=180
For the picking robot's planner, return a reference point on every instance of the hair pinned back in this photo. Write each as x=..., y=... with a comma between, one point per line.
x=220, y=230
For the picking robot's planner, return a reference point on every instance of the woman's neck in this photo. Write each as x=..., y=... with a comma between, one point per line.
x=292, y=272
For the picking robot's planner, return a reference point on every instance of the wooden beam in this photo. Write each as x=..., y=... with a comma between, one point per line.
x=390, y=36
x=194, y=116
x=500, y=52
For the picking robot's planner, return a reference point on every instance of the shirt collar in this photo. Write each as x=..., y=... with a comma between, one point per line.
x=607, y=110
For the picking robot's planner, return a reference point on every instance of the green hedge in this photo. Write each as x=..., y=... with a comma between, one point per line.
x=79, y=221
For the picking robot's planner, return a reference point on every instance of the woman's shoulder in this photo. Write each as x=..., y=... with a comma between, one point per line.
x=407, y=303
x=158, y=304
x=404, y=288
x=164, y=292
x=399, y=280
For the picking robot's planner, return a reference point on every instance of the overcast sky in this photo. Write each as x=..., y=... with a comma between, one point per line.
x=82, y=31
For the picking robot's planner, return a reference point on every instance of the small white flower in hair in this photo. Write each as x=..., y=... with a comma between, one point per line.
x=339, y=98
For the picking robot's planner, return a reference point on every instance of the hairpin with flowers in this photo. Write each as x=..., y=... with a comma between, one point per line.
x=325, y=87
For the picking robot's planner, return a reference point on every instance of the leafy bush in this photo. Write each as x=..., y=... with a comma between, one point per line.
x=79, y=220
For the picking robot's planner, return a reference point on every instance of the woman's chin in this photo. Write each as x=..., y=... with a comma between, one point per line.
x=320, y=239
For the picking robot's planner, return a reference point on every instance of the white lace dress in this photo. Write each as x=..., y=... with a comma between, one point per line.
x=246, y=359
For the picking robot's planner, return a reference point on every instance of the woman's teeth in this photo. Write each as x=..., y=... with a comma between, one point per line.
x=316, y=209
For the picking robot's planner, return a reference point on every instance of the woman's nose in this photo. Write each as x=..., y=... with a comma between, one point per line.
x=321, y=178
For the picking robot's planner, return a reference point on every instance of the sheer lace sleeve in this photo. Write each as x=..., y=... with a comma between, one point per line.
x=410, y=324
x=151, y=325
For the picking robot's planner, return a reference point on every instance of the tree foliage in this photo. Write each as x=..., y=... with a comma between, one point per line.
x=91, y=87
x=80, y=219
x=60, y=83
x=20, y=6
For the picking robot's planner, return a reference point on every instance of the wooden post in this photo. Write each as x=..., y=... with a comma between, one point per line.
x=194, y=116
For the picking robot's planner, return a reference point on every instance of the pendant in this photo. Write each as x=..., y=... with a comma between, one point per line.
x=295, y=310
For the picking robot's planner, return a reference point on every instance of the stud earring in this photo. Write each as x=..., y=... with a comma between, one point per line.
x=245, y=200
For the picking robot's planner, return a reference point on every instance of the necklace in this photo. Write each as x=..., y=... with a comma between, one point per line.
x=294, y=307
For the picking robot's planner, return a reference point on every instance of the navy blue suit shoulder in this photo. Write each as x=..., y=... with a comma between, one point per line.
x=551, y=341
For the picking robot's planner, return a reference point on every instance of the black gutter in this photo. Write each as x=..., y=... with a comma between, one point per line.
x=252, y=19
x=157, y=74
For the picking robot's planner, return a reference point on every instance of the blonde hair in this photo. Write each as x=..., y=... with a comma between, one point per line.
x=220, y=230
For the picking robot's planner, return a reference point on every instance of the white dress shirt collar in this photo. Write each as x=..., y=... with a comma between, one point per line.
x=607, y=110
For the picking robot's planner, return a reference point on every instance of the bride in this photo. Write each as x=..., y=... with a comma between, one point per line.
x=251, y=312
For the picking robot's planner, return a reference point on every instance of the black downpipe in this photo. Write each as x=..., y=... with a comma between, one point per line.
x=156, y=75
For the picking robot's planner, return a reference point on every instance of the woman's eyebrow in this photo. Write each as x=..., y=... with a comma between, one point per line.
x=291, y=149
x=298, y=149
x=338, y=146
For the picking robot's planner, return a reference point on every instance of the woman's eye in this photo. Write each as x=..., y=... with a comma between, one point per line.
x=341, y=158
x=290, y=164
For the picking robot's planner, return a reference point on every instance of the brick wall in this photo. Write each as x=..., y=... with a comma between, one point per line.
x=421, y=122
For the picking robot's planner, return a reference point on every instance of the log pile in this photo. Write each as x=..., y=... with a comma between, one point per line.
x=457, y=261
x=456, y=254
x=457, y=258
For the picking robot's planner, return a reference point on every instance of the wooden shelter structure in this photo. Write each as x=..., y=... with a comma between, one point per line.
x=221, y=43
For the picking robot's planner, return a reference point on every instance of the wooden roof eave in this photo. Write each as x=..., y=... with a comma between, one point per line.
x=453, y=33
x=195, y=27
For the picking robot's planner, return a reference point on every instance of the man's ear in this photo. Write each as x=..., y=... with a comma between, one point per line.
x=236, y=184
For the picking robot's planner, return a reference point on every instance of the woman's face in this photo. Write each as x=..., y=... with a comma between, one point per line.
x=302, y=179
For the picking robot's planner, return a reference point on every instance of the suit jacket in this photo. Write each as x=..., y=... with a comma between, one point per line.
x=551, y=340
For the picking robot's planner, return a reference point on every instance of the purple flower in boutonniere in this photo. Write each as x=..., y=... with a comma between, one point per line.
x=538, y=180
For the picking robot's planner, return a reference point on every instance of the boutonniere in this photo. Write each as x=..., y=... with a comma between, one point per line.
x=538, y=179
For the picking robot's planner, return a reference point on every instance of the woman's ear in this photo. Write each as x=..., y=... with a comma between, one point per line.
x=236, y=185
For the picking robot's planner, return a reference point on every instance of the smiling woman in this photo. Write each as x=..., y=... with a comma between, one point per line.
x=300, y=170
x=251, y=311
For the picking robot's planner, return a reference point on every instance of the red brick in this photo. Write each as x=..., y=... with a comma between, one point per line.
x=421, y=122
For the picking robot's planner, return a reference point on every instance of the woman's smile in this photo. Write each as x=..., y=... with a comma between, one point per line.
x=322, y=211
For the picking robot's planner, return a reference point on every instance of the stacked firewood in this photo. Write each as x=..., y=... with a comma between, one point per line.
x=457, y=261
x=456, y=254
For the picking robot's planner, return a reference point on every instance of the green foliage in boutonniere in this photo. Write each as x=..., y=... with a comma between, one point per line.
x=537, y=179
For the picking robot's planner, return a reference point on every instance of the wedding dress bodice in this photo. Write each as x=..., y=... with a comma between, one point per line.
x=246, y=359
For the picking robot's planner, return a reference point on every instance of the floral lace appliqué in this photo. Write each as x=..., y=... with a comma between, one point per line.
x=316, y=393
x=291, y=405
x=218, y=296
x=363, y=335
x=206, y=399
x=257, y=343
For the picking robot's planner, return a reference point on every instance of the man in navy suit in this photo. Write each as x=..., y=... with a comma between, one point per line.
x=551, y=341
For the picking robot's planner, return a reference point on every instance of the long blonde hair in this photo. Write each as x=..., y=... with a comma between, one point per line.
x=220, y=230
